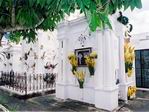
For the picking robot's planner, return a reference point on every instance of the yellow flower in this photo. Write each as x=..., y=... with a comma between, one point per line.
x=131, y=91
x=129, y=52
x=79, y=75
x=130, y=72
x=93, y=54
x=72, y=55
x=73, y=60
x=129, y=56
x=131, y=49
x=134, y=89
x=92, y=62
x=90, y=59
x=87, y=60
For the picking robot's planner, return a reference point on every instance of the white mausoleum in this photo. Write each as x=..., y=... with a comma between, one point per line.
x=102, y=89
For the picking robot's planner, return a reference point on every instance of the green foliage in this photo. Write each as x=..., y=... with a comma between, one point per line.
x=32, y=15
x=128, y=66
x=29, y=35
x=15, y=37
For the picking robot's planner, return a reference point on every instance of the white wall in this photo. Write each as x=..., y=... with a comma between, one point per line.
x=47, y=40
x=101, y=89
x=141, y=41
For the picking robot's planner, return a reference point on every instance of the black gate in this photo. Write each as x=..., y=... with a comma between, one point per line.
x=27, y=84
x=142, y=68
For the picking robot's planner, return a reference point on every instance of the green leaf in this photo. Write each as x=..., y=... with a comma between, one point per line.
x=126, y=4
x=15, y=37
x=105, y=20
x=94, y=21
x=81, y=5
x=49, y=2
x=92, y=6
x=138, y=3
x=1, y=1
x=41, y=2
x=132, y=7
x=29, y=13
x=86, y=3
x=31, y=2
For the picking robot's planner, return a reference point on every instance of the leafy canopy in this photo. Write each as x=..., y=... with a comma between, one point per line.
x=24, y=17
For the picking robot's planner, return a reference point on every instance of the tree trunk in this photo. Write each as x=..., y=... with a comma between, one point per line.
x=13, y=14
x=1, y=36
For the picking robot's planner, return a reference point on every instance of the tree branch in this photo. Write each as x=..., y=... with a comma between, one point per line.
x=18, y=28
x=101, y=7
x=1, y=36
x=4, y=14
x=13, y=14
x=12, y=29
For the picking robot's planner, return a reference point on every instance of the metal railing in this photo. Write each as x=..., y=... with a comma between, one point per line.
x=25, y=84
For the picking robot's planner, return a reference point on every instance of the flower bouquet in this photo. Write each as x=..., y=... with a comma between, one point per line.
x=90, y=61
x=129, y=58
x=80, y=77
x=131, y=92
x=73, y=61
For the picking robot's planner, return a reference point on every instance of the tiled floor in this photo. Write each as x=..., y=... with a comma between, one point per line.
x=43, y=103
x=50, y=103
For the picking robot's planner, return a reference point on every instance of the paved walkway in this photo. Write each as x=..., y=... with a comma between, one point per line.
x=140, y=104
x=50, y=103
x=43, y=103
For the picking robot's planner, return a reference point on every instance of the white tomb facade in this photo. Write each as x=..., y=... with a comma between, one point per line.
x=100, y=89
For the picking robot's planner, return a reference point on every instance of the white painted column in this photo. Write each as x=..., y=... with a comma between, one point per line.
x=60, y=62
x=64, y=58
x=108, y=57
x=107, y=97
x=61, y=85
x=122, y=76
x=98, y=78
x=120, y=31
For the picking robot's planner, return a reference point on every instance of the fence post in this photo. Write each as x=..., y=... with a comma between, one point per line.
x=25, y=75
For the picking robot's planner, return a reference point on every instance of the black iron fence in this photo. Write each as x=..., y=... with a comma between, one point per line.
x=26, y=84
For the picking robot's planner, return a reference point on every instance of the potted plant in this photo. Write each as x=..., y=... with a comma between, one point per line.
x=90, y=62
x=129, y=56
x=73, y=61
x=80, y=77
x=131, y=92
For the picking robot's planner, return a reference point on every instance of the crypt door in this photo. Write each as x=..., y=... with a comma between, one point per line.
x=142, y=68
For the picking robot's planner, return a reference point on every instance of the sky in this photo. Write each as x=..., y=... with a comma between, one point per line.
x=139, y=18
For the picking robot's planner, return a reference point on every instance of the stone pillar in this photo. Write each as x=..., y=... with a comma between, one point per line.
x=122, y=75
x=61, y=84
x=99, y=67
x=107, y=97
x=120, y=31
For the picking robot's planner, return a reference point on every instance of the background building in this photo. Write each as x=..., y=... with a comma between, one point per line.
x=141, y=42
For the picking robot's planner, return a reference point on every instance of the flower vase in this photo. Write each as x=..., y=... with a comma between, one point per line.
x=74, y=68
x=130, y=72
x=91, y=70
x=81, y=84
x=129, y=98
